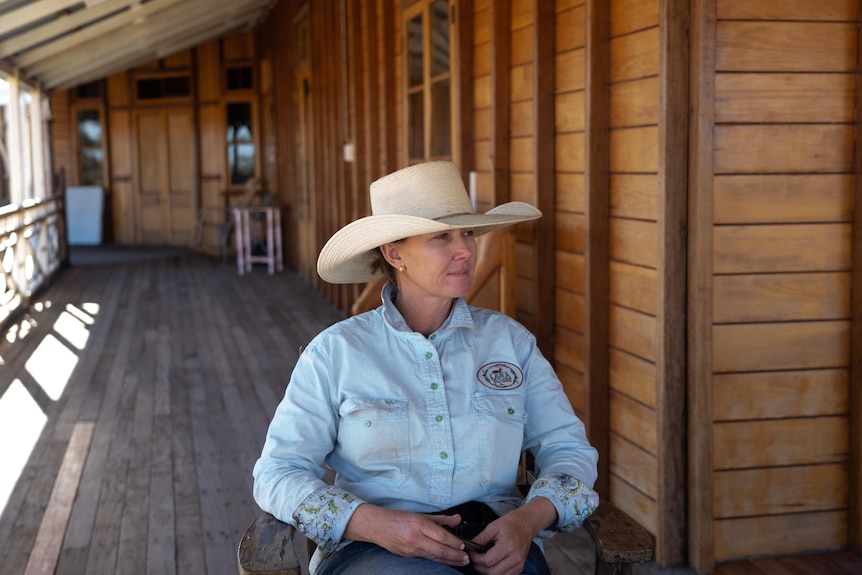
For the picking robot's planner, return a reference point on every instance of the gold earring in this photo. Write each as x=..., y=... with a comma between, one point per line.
x=401, y=269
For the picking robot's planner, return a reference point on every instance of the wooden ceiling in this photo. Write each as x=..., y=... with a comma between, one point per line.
x=59, y=44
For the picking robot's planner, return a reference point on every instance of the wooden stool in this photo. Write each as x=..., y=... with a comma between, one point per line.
x=242, y=216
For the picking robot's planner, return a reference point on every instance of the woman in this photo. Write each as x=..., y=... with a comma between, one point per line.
x=423, y=406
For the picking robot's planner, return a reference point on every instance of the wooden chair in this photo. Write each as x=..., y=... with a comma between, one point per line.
x=267, y=546
x=215, y=225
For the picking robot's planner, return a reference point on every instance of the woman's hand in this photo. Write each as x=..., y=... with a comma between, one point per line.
x=408, y=534
x=511, y=536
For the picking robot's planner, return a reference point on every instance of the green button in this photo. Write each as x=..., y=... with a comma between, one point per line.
x=428, y=355
x=511, y=411
x=439, y=418
x=367, y=423
x=434, y=386
x=444, y=455
x=433, y=336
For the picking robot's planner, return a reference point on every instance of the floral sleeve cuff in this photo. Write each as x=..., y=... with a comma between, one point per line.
x=573, y=500
x=323, y=516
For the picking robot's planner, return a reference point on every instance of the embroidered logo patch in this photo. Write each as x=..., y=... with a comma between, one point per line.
x=500, y=375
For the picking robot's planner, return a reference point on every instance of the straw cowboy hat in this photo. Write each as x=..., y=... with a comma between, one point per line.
x=416, y=200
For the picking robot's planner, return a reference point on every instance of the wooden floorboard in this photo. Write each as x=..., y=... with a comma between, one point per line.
x=184, y=365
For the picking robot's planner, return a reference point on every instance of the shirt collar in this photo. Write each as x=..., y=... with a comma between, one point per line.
x=459, y=316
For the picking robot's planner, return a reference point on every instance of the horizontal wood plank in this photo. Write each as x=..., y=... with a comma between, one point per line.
x=632, y=331
x=780, y=442
x=634, y=242
x=634, y=196
x=783, y=199
x=632, y=376
x=785, y=47
x=634, y=465
x=634, y=150
x=569, y=112
x=780, y=534
x=784, y=98
x=569, y=152
x=639, y=506
x=773, y=491
x=635, y=55
x=569, y=71
x=570, y=231
x=780, y=346
x=573, y=385
x=776, y=149
x=781, y=394
x=569, y=349
x=829, y=10
x=570, y=310
x=570, y=31
x=634, y=421
x=781, y=297
x=634, y=103
x=782, y=248
x=629, y=16
x=570, y=271
x=633, y=287
x=570, y=192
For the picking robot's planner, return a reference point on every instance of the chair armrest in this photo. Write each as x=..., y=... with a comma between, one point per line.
x=267, y=548
x=619, y=539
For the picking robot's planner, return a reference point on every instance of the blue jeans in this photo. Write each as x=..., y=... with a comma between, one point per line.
x=369, y=559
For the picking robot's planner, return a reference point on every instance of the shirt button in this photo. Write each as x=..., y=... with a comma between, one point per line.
x=428, y=355
x=434, y=386
x=367, y=423
x=439, y=418
x=511, y=411
x=433, y=336
x=444, y=455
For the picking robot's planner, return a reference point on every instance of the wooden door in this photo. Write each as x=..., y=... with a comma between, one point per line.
x=166, y=198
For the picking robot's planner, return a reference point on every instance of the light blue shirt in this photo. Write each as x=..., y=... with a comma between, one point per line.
x=421, y=424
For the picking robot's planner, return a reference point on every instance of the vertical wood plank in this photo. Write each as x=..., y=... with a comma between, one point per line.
x=597, y=249
x=699, y=300
x=500, y=76
x=463, y=77
x=544, y=260
x=854, y=517
x=390, y=144
x=671, y=283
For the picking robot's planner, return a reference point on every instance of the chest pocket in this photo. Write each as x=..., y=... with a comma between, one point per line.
x=500, y=419
x=374, y=437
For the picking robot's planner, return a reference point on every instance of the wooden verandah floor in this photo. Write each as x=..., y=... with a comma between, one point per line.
x=142, y=387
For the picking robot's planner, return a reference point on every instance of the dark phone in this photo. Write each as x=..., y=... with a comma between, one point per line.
x=466, y=531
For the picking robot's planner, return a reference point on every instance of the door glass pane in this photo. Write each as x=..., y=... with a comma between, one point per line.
x=240, y=143
x=441, y=127
x=414, y=51
x=89, y=128
x=90, y=156
x=416, y=135
x=439, y=37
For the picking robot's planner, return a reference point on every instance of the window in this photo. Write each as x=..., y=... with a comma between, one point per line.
x=23, y=156
x=5, y=190
x=166, y=87
x=90, y=159
x=239, y=78
x=240, y=143
x=429, y=82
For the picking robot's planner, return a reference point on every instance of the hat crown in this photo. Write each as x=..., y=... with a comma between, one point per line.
x=431, y=190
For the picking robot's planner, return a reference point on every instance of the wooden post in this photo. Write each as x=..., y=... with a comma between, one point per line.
x=700, y=239
x=597, y=250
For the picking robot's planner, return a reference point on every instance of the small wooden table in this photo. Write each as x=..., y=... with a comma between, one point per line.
x=243, y=216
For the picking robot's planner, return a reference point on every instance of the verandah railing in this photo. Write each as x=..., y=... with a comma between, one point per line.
x=32, y=248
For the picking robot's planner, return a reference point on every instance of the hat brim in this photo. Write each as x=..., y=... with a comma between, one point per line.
x=348, y=255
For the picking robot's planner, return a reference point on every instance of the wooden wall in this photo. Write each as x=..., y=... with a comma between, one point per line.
x=775, y=171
